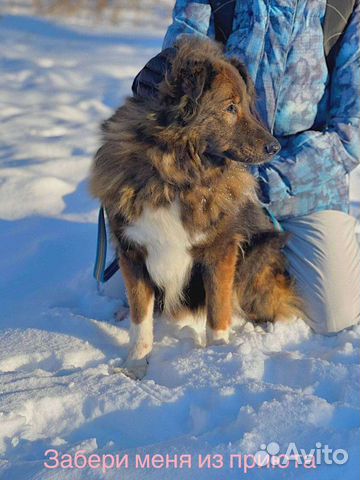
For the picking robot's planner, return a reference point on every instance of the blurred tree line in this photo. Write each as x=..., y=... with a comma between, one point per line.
x=112, y=8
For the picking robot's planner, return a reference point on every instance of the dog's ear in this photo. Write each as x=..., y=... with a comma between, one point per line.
x=194, y=78
x=240, y=67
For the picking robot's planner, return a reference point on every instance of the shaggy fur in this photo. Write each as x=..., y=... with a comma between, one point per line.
x=190, y=231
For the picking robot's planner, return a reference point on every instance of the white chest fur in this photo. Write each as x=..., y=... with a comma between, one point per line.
x=168, y=249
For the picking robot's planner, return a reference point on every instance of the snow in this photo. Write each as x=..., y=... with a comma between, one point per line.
x=59, y=342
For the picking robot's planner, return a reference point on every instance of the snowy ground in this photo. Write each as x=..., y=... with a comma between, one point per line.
x=58, y=337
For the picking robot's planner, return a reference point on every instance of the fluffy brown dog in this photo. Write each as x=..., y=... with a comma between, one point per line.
x=189, y=229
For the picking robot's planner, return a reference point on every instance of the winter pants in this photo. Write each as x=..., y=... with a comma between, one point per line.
x=324, y=258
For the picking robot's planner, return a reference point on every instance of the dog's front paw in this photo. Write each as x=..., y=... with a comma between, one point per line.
x=217, y=337
x=134, y=369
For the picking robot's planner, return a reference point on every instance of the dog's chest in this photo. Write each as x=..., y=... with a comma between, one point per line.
x=168, y=245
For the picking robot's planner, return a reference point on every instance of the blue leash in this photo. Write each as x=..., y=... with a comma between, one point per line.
x=274, y=220
x=102, y=273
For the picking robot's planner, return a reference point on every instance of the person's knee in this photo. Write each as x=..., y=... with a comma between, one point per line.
x=331, y=315
x=325, y=259
x=333, y=299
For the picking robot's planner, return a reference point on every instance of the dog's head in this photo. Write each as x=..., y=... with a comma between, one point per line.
x=213, y=98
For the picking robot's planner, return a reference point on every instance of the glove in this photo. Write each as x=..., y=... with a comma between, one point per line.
x=147, y=81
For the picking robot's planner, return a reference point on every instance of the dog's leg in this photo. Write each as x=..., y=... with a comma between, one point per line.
x=218, y=281
x=141, y=301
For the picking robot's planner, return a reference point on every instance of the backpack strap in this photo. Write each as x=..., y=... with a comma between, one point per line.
x=337, y=16
x=223, y=12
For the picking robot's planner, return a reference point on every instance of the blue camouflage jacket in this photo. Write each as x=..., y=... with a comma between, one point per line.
x=314, y=115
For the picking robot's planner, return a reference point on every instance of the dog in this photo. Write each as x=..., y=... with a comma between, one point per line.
x=190, y=232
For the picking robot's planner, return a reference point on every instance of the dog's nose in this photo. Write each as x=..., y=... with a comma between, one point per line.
x=272, y=148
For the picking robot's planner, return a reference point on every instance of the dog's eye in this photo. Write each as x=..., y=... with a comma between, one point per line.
x=232, y=108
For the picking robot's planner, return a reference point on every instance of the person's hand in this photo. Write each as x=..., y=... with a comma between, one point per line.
x=147, y=80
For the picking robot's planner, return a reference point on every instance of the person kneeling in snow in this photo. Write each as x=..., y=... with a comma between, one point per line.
x=310, y=101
